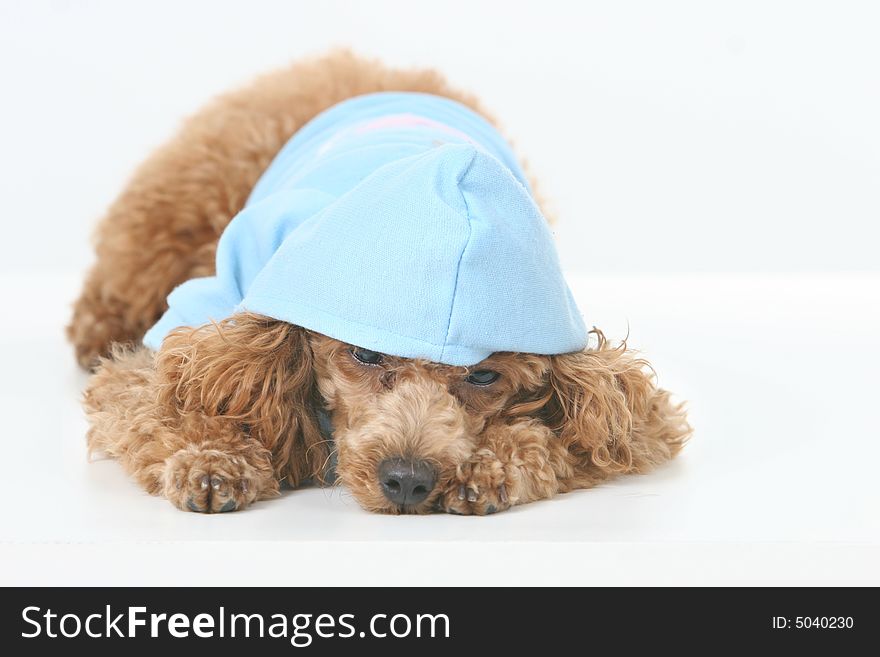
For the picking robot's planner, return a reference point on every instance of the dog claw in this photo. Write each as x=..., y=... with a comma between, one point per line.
x=471, y=495
x=502, y=494
x=216, y=482
x=461, y=492
x=244, y=486
x=203, y=482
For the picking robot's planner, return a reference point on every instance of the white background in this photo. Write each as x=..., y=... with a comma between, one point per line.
x=714, y=168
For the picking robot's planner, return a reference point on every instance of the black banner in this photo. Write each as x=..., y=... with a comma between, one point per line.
x=432, y=621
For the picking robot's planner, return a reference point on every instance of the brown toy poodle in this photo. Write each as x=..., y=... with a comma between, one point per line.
x=225, y=413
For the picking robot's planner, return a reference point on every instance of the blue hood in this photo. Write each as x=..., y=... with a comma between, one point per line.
x=411, y=233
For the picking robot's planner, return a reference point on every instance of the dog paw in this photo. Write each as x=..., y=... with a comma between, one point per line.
x=214, y=481
x=480, y=487
x=95, y=326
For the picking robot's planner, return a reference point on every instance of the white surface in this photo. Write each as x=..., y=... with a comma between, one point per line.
x=777, y=485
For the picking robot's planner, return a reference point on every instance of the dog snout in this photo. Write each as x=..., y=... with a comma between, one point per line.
x=405, y=481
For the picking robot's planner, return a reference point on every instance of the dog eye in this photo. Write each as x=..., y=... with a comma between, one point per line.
x=482, y=377
x=366, y=356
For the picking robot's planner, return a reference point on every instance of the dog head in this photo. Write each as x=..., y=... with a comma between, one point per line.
x=401, y=427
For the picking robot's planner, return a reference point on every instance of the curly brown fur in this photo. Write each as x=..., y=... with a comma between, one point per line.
x=549, y=424
x=224, y=414
x=198, y=461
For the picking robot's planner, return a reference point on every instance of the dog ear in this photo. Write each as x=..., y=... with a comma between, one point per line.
x=605, y=406
x=255, y=371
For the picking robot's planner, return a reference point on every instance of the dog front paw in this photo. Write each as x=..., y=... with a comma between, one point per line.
x=480, y=487
x=215, y=481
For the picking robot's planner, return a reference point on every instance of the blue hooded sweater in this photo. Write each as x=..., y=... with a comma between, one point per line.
x=397, y=222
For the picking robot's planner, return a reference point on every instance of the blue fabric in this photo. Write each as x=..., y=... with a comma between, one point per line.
x=398, y=222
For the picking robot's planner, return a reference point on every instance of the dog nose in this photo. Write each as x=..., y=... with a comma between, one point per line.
x=406, y=481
